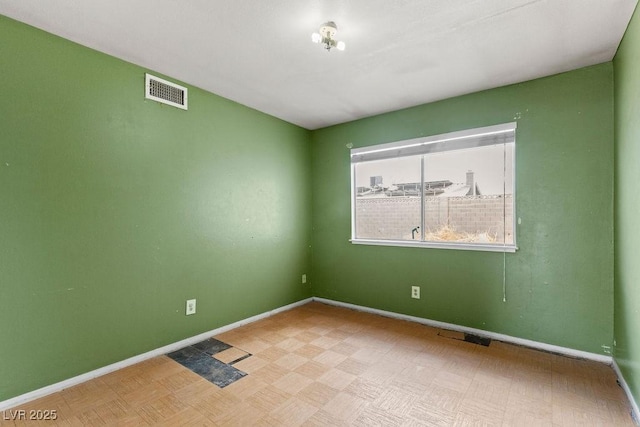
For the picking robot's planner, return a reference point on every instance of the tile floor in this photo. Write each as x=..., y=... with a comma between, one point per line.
x=319, y=365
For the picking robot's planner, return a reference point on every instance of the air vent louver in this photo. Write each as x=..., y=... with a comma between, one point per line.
x=164, y=91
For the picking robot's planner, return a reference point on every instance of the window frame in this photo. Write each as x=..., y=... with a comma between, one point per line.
x=415, y=147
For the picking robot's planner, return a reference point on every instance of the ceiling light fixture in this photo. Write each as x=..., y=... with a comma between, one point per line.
x=326, y=36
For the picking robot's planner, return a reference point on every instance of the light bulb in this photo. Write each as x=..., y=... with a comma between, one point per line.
x=316, y=38
x=340, y=46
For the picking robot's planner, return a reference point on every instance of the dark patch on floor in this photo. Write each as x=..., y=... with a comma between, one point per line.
x=199, y=358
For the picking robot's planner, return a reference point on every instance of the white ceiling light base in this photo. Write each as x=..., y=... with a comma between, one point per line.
x=326, y=36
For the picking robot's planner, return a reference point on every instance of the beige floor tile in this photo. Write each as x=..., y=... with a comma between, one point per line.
x=325, y=342
x=307, y=336
x=270, y=373
x=291, y=361
x=268, y=399
x=292, y=382
x=291, y=344
x=374, y=416
x=245, y=387
x=365, y=389
x=252, y=346
x=312, y=369
x=272, y=353
x=352, y=366
x=317, y=394
x=336, y=378
x=424, y=413
x=330, y=358
x=251, y=364
x=157, y=410
x=345, y=407
x=242, y=414
x=293, y=412
x=230, y=355
x=309, y=351
x=322, y=419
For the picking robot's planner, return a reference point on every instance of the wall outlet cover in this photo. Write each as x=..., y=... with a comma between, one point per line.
x=191, y=307
x=415, y=292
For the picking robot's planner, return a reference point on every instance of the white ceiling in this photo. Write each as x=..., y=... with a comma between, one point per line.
x=399, y=53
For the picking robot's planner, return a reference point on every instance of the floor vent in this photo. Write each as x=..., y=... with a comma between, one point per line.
x=165, y=91
x=463, y=336
x=475, y=339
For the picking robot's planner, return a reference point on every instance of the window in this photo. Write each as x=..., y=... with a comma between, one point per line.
x=454, y=190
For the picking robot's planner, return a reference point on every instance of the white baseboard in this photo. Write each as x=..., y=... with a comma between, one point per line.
x=53, y=388
x=493, y=335
x=635, y=410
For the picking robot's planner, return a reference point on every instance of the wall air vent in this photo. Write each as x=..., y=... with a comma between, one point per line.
x=164, y=91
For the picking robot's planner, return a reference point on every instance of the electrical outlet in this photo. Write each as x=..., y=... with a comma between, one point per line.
x=191, y=307
x=415, y=292
x=304, y=278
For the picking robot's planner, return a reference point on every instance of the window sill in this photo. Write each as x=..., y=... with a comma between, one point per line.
x=436, y=245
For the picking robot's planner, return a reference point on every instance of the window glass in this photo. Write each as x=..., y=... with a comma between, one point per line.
x=388, y=199
x=466, y=194
x=454, y=190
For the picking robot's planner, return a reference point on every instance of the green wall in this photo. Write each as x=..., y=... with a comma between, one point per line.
x=114, y=210
x=627, y=207
x=560, y=281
